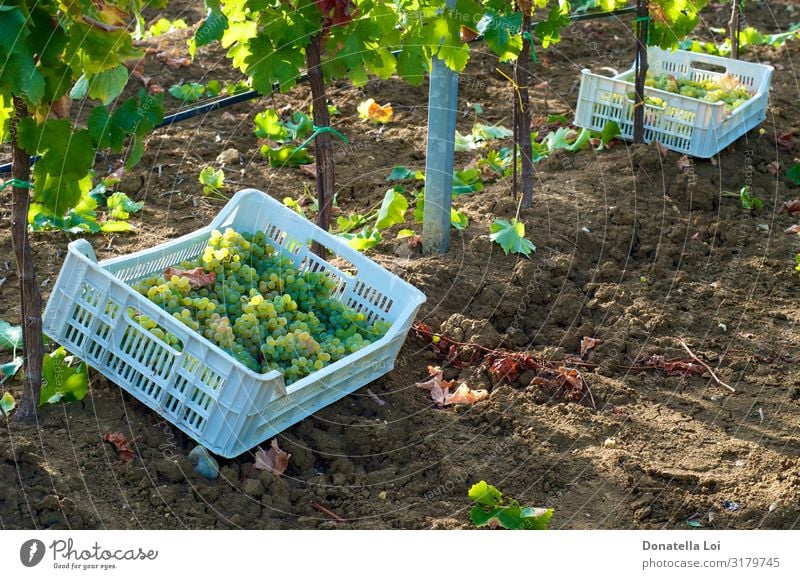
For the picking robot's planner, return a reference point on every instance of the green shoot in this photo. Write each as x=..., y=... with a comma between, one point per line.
x=494, y=510
x=163, y=26
x=794, y=173
x=748, y=200
x=213, y=181
x=510, y=235
x=66, y=378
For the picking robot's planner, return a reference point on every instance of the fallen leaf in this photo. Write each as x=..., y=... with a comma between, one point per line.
x=773, y=167
x=786, y=141
x=505, y=368
x=466, y=395
x=274, y=460
x=662, y=149
x=309, y=170
x=121, y=444
x=791, y=207
x=374, y=112
x=675, y=367
x=197, y=277
x=684, y=162
x=587, y=344
x=60, y=107
x=713, y=161
x=440, y=390
x=542, y=85
x=793, y=228
x=436, y=385
x=173, y=59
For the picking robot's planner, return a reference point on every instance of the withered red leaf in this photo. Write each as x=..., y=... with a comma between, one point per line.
x=274, y=460
x=587, y=344
x=121, y=444
x=791, y=207
x=197, y=277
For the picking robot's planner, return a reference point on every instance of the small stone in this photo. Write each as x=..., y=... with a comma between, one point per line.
x=610, y=442
x=642, y=514
x=228, y=157
x=382, y=495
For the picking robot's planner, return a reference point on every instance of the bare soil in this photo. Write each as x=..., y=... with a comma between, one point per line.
x=631, y=250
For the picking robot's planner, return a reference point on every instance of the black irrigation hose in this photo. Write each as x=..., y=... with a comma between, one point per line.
x=249, y=95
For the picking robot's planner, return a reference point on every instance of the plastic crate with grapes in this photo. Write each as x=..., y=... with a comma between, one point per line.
x=236, y=331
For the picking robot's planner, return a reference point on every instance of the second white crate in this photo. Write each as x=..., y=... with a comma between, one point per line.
x=684, y=124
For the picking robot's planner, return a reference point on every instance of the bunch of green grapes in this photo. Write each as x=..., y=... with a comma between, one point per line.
x=725, y=89
x=260, y=309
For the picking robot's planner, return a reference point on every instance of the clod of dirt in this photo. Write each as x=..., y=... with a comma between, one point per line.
x=646, y=157
x=229, y=157
x=463, y=329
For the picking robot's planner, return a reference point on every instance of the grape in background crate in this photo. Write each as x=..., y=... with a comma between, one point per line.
x=159, y=357
x=679, y=120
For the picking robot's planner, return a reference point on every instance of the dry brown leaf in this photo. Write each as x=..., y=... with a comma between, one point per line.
x=684, y=162
x=309, y=170
x=774, y=167
x=440, y=390
x=786, y=141
x=587, y=344
x=465, y=395
x=542, y=85
x=662, y=149
x=197, y=277
x=793, y=228
x=791, y=207
x=274, y=460
x=121, y=444
x=375, y=112
x=60, y=107
x=728, y=82
x=173, y=59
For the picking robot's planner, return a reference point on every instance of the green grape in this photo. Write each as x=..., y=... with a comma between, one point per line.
x=261, y=310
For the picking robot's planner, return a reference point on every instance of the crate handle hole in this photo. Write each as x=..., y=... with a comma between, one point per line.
x=708, y=67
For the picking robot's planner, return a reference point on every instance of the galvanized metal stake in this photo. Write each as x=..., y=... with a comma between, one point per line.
x=442, y=110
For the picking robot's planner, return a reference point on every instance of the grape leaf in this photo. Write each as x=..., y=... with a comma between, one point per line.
x=511, y=236
x=212, y=28
x=188, y=92
x=286, y=156
x=269, y=126
x=10, y=336
x=114, y=226
x=401, y=173
x=11, y=368
x=212, y=181
x=366, y=239
x=392, y=208
x=502, y=33
x=794, y=173
x=458, y=219
x=92, y=50
x=483, y=493
x=7, y=402
x=120, y=206
x=63, y=378
x=489, y=132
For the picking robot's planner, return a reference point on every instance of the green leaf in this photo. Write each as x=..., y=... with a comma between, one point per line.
x=393, y=209
x=549, y=30
x=299, y=125
x=401, y=173
x=489, y=132
x=465, y=143
x=10, y=336
x=458, y=219
x=120, y=206
x=351, y=222
x=511, y=236
x=502, y=33
x=11, y=368
x=485, y=494
x=286, y=156
x=108, y=85
x=293, y=205
x=561, y=119
x=794, y=173
x=269, y=126
x=467, y=181
x=187, y=92
x=136, y=152
x=212, y=181
x=7, y=403
x=213, y=88
x=163, y=25
x=212, y=28
x=65, y=378
x=610, y=131
x=92, y=50
x=366, y=239
x=405, y=233
x=113, y=226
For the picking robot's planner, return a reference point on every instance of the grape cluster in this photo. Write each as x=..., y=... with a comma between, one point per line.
x=726, y=89
x=261, y=309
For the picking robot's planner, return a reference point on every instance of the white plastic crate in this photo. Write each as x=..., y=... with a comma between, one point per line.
x=686, y=125
x=199, y=388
